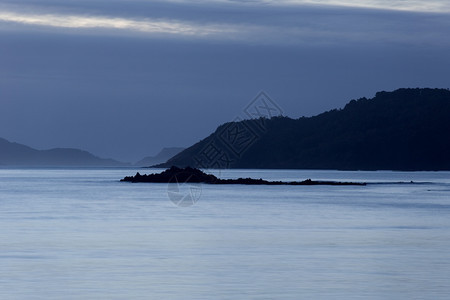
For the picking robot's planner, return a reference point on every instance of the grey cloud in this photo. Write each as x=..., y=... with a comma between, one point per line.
x=261, y=24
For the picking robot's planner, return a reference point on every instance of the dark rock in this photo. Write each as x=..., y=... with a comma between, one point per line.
x=192, y=175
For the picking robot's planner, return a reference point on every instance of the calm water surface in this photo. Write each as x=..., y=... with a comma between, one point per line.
x=82, y=234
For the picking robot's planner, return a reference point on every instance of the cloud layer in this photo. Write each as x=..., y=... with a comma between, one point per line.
x=409, y=5
x=93, y=22
x=283, y=22
x=438, y=6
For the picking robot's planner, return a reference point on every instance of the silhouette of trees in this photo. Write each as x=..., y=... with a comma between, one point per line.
x=407, y=129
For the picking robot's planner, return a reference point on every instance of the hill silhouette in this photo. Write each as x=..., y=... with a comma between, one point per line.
x=162, y=156
x=407, y=129
x=14, y=154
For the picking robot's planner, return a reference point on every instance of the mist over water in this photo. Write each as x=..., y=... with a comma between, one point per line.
x=80, y=233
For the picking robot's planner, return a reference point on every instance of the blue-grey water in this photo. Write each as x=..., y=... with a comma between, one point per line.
x=82, y=234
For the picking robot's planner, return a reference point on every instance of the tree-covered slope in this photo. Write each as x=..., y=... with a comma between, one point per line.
x=408, y=129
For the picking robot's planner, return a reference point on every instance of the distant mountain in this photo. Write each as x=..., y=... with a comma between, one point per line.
x=162, y=156
x=407, y=129
x=14, y=154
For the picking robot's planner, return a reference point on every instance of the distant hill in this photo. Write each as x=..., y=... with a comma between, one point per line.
x=407, y=129
x=162, y=156
x=14, y=154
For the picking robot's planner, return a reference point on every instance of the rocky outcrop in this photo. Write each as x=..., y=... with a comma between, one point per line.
x=192, y=175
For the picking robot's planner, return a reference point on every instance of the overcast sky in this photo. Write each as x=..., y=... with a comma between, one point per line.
x=124, y=78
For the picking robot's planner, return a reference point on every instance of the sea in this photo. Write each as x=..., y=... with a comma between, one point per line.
x=78, y=233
